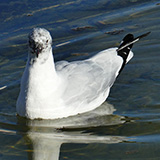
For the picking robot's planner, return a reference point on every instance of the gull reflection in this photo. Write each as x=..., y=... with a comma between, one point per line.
x=47, y=136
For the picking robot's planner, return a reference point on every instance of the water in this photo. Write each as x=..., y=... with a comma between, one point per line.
x=80, y=29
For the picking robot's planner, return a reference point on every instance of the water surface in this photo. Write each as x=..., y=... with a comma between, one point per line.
x=80, y=29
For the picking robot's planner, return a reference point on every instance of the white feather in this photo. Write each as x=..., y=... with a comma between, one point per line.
x=63, y=89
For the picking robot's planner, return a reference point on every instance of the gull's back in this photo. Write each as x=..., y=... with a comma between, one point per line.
x=88, y=82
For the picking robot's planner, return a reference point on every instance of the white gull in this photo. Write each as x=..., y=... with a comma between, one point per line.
x=55, y=90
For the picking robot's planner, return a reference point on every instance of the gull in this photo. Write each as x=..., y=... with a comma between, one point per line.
x=51, y=90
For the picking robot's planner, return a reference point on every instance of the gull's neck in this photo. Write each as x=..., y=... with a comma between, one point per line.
x=41, y=70
x=38, y=85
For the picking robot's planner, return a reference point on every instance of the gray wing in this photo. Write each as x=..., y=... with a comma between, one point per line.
x=86, y=80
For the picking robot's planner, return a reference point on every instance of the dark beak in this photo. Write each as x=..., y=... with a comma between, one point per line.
x=37, y=51
x=37, y=48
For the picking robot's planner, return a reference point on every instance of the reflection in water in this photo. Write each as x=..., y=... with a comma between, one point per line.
x=44, y=146
x=46, y=139
x=47, y=145
x=93, y=118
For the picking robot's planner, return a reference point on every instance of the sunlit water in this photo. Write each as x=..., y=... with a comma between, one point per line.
x=80, y=29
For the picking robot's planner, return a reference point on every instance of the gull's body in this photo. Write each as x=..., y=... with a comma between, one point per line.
x=55, y=90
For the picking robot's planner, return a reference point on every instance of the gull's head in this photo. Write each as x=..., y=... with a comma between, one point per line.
x=39, y=41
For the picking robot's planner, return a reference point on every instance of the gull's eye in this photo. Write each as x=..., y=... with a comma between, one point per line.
x=46, y=41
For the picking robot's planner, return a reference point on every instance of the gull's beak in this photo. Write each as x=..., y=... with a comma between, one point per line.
x=36, y=47
x=37, y=50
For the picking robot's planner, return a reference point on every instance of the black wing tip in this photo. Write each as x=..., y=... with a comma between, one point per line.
x=130, y=38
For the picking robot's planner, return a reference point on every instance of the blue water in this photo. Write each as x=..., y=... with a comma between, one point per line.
x=80, y=29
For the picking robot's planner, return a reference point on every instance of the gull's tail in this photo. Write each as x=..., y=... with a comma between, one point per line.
x=126, y=45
